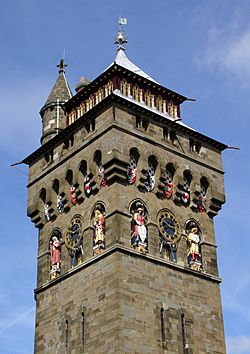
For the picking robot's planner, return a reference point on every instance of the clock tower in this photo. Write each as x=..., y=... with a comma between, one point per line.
x=124, y=194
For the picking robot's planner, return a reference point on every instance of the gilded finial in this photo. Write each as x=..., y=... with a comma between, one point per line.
x=120, y=40
x=62, y=66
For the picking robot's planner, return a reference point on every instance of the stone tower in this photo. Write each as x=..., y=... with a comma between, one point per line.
x=123, y=194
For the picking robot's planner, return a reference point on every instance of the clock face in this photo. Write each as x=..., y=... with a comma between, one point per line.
x=168, y=226
x=74, y=234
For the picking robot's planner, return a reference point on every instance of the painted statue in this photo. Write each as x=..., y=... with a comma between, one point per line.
x=132, y=171
x=150, y=181
x=167, y=190
x=139, y=233
x=87, y=186
x=201, y=204
x=102, y=176
x=73, y=196
x=99, y=230
x=168, y=186
x=185, y=195
x=46, y=212
x=55, y=252
x=60, y=204
x=193, y=253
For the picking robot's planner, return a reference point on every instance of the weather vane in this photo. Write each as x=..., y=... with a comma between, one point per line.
x=120, y=40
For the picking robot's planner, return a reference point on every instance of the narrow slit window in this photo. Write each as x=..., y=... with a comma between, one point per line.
x=83, y=329
x=163, y=335
x=66, y=333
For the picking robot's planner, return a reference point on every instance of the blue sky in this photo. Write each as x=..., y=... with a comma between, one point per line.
x=198, y=48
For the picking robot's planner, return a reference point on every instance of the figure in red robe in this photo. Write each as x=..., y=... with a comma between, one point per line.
x=168, y=190
x=55, y=252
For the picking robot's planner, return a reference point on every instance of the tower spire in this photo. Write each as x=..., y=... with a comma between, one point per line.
x=120, y=40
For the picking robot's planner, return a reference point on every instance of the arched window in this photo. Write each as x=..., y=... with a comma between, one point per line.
x=72, y=116
x=124, y=87
x=194, y=236
x=136, y=91
x=69, y=177
x=82, y=108
x=132, y=166
x=101, y=170
x=160, y=104
x=55, y=253
x=59, y=196
x=150, y=176
x=91, y=101
x=168, y=182
x=99, y=95
x=42, y=195
x=202, y=198
x=108, y=88
x=172, y=109
x=185, y=195
x=99, y=229
x=139, y=230
x=87, y=105
x=46, y=205
x=73, y=187
x=87, y=176
x=148, y=97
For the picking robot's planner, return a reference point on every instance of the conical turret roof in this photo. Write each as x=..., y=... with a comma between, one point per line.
x=61, y=89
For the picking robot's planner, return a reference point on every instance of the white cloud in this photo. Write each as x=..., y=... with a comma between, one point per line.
x=228, y=51
x=238, y=344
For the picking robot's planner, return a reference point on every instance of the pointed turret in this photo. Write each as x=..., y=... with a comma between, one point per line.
x=52, y=113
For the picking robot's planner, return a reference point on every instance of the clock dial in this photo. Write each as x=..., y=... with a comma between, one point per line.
x=168, y=226
x=74, y=234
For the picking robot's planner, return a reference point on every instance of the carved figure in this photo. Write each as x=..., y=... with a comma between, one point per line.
x=201, y=204
x=193, y=241
x=60, y=204
x=185, y=195
x=55, y=252
x=73, y=196
x=99, y=230
x=87, y=186
x=150, y=181
x=168, y=185
x=46, y=212
x=139, y=237
x=102, y=176
x=167, y=190
x=132, y=171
